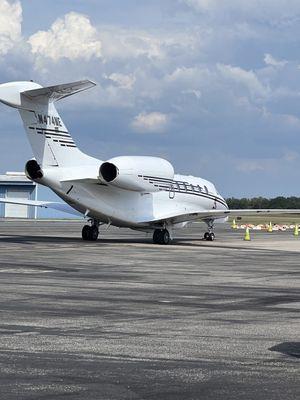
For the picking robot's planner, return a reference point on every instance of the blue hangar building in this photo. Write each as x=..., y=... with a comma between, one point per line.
x=17, y=185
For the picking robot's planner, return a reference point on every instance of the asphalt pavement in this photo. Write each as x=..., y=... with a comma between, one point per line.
x=122, y=318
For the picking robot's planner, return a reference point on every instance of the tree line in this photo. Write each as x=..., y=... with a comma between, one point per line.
x=262, y=202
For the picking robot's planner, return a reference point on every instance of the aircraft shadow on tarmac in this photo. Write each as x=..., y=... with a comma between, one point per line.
x=287, y=348
x=190, y=242
x=187, y=241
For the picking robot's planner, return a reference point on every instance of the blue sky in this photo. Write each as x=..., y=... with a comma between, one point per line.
x=213, y=86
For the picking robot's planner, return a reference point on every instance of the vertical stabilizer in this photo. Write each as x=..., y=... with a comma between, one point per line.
x=50, y=140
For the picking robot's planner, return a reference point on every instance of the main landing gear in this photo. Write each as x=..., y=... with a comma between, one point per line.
x=161, y=236
x=210, y=236
x=90, y=232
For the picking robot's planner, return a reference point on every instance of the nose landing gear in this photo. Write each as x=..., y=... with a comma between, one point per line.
x=90, y=232
x=210, y=236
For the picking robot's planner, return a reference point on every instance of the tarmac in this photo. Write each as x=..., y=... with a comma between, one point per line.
x=122, y=318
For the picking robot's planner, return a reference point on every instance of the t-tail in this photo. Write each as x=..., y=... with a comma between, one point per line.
x=51, y=142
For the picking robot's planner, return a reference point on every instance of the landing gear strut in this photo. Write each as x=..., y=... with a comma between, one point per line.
x=210, y=236
x=161, y=236
x=90, y=232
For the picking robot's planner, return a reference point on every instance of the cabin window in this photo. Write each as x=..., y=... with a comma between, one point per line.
x=174, y=186
x=183, y=186
x=206, y=190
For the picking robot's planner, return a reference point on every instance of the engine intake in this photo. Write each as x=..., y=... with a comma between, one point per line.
x=108, y=171
x=33, y=170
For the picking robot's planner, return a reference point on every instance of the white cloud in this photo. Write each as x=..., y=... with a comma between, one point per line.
x=196, y=93
x=189, y=76
x=127, y=43
x=254, y=165
x=121, y=80
x=10, y=25
x=155, y=122
x=193, y=81
x=266, y=164
x=120, y=43
x=201, y=5
x=291, y=120
x=291, y=156
x=72, y=37
x=270, y=60
x=262, y=10
x=245, y=78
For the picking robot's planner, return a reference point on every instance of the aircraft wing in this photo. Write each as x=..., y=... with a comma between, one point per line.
x=218, y=214
x=44, y=204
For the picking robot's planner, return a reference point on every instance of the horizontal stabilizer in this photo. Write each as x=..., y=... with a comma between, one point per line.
x=44, y=204
x=57, y=92
x=15, y=94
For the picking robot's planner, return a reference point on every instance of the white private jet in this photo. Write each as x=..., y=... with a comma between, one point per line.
x=142, y=193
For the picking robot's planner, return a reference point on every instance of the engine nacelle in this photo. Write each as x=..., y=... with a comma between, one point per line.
x=33, y=170
x=135, y=173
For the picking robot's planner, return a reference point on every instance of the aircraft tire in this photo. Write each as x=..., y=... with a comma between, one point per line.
x=94, y=233
x=165, y=237
x=156, y=236
x=211, y=237
x=161, y=236
x=85, y=232
x=90, y=233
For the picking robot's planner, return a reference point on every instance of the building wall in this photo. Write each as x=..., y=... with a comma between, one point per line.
x=2, y=205
x=22, y=187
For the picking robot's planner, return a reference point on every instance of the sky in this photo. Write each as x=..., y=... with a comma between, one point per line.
x=213, y=86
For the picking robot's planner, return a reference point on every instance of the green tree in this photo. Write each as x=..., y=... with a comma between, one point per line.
x=262, y=202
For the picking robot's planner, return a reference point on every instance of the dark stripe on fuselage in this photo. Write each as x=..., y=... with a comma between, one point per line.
x=210, y=197
x=66, y=141
x=50, y=130
x=56, y=134
x=153, y=178
x=174, y=187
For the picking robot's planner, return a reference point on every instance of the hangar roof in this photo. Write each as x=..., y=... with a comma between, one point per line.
x=15, y=178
